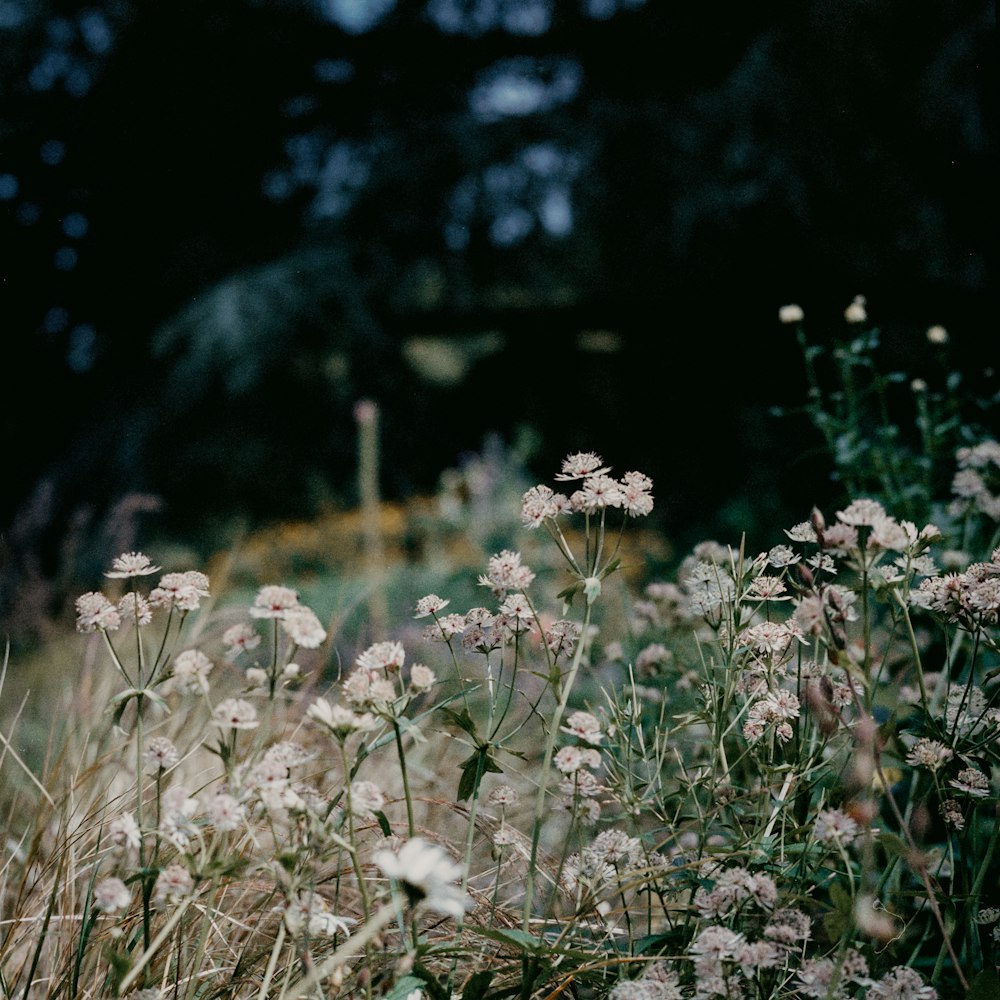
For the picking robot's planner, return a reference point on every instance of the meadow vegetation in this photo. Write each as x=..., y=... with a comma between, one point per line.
x=770, y=773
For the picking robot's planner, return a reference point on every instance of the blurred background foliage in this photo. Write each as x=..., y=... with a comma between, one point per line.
x=569, y=224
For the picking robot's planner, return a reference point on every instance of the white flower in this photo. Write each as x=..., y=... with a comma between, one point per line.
x=173, y=884
x=238, y=638
x=856, y=312
x=430, y=605
x=382, y=656
x=131, y=564
x=272, y=601
x=303, y=626
x=111, y=895
x=791, y=314
x=581, y=465
x=235, y=713
x=123, y=831
x=94, y=611
x=425, y=872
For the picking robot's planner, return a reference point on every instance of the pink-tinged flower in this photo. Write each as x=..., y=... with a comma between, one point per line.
x=791, y=314
x=636, y=499
x=430, y=605
x=929, y=753
x=224, y=812
x=273, y=601
x=235, y=713
x=862, y=512
x=160, y=754
x=834, y=826
x=131, y=564
x=597, y=493
x=561, y=637
x=505, y=572
x=190, y=671
x=503, y=796
x=180, y=590
x=584, y=726
x=135, y=608
x=94, y=612
x=388, y=656
x=901, y=983
x=581, y=465
x=540, y=503
x=111, y=895
x=174, y=883
x=422, y=678
x=123, y=831
x=239, y=638
x=972, y=781
x=516, y=606
x=304, y=628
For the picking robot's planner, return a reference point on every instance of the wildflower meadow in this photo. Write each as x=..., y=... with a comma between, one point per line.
x=770, y=773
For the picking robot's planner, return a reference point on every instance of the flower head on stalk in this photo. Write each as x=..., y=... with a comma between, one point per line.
x=130, y=564
x=426, y=874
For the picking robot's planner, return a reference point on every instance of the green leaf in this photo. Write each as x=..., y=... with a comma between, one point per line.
x=473, y=770
x=402, y=988
x=986, y=986
x=894, y=846
x=383, y=823
x=476, y=987
x=463, y=720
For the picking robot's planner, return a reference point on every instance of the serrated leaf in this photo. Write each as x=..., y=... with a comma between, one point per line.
x=473, y=769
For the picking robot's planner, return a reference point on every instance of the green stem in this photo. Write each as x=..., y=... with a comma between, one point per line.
x=546, y=767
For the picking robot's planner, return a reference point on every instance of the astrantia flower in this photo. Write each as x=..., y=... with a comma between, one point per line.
x=597, y=493
x=782, y=555
x=937, y=335
x=387, y=656
x=540, y=503
x=111, y=895
x=366, y=798
x=584, y=726
x=339, y=720
x=425, y=872
x=901, y=983
x=422, y=678
x=303, y=626
x=834, y=826
x=135, y=608
x=160, y=754
x=224, y=812
x=503, y=796
x=636, y=499
x=181, y=590
x=174, y=883
x=235, y=713
x=238, y=638
x=430, y=605
x=190, y=671
x=505, y=572
x=862, y=512
x=95, y=612
x=581, y=465
x=971, y=781
x=131, y=564
x=272, y=601
x=929, y=753
x=123, y=831
x=791, y=314
x=310, y=913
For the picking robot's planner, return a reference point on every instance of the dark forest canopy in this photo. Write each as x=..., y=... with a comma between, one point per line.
x=223, y=224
